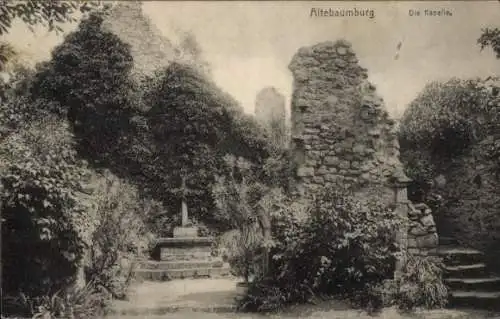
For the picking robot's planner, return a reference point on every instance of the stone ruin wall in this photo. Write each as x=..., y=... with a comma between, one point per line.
x=341, y=131
x=422, y=233
x=150, y=49
x=343, y=136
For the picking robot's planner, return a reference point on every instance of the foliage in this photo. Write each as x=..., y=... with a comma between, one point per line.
x=421, y=284
x=48, y=217
x=17, y=113
x=85, y=302
x=7, y=54
x=120, y=236
x=448, y=136
x=490, y=37
x=97, y=103
x=237, y=198
x=342, y=248
x=446, y=118
x=49, y=13
x=193, y=125
x=155, y=131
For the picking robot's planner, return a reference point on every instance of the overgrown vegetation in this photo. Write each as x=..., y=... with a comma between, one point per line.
x=48, y=215
x=421, y=284
x=91, y=165
x=339, y=248
x=448, y=139
x=120, y=236
x=104, y=151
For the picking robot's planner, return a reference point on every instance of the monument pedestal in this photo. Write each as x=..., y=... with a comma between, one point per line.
x=185, y=232
x=183, y=256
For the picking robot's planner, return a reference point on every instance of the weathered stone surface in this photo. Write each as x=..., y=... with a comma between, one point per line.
x=418, y=231
x=427, y=221
x=330, y=99
x=271, y=114
x=422, y=232
x=305, y=171
x=427, y=241
x=150, y=49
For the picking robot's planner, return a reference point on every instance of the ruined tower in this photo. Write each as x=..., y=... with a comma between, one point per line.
x=342, y=134
x=271, y=114
x=150, y=49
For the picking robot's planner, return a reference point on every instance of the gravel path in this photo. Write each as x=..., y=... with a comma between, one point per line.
x=213, y=299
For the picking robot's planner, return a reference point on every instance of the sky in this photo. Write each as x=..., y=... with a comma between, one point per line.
x=250, y=44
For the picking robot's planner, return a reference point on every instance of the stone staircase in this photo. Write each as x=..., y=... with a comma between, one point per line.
x=180, y=269
x=470, y=282
x=184, y=256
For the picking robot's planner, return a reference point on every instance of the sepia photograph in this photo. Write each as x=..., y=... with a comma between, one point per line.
x=250, y=159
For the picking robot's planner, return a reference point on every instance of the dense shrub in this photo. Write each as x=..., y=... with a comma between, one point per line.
x=449, y=145
x=89, y=76
x=342, y=248
x=237, y=197
x=73, y=302
x=421, y=284
x=120, y=237
x=47, y=214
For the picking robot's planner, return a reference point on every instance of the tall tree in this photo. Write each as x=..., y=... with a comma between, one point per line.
x=490, y=38
x=48, y=13
x=89, y=75
x=194, y=124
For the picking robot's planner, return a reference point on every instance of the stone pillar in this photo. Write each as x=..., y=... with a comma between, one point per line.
x=400, y=183
x=184, y=212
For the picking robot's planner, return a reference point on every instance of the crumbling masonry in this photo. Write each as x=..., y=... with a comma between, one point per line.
x=343, y=136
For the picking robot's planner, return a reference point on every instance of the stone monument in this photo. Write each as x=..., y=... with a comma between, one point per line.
x=186, y=255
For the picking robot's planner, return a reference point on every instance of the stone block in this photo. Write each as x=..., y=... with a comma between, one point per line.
x=184, y=232
x=414, y=251
x=331, y=178
x=305, y=171
x=344, y=165
x=359, y=148
x=418, y=231
x=412, y=242
x=427, y=241
x=331, y=160
x=318, y=179
x=321, y=171
x=427, y=221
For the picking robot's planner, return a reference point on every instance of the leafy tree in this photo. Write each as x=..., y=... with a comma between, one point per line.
x=490, y=38
x=7, y=54
x=449, y=136
x=194, y=124
x=120, y=235
x=47, y=215
x=88, y=75
x=49, y=13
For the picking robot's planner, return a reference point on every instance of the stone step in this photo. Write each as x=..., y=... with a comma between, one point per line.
x=181, y=264
x=186, y=257
x=455, y=256
x=446, y=241
x=169, y=274
x=474, y=284
x=466, y=271
x=475, y=299
x=167, y=311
